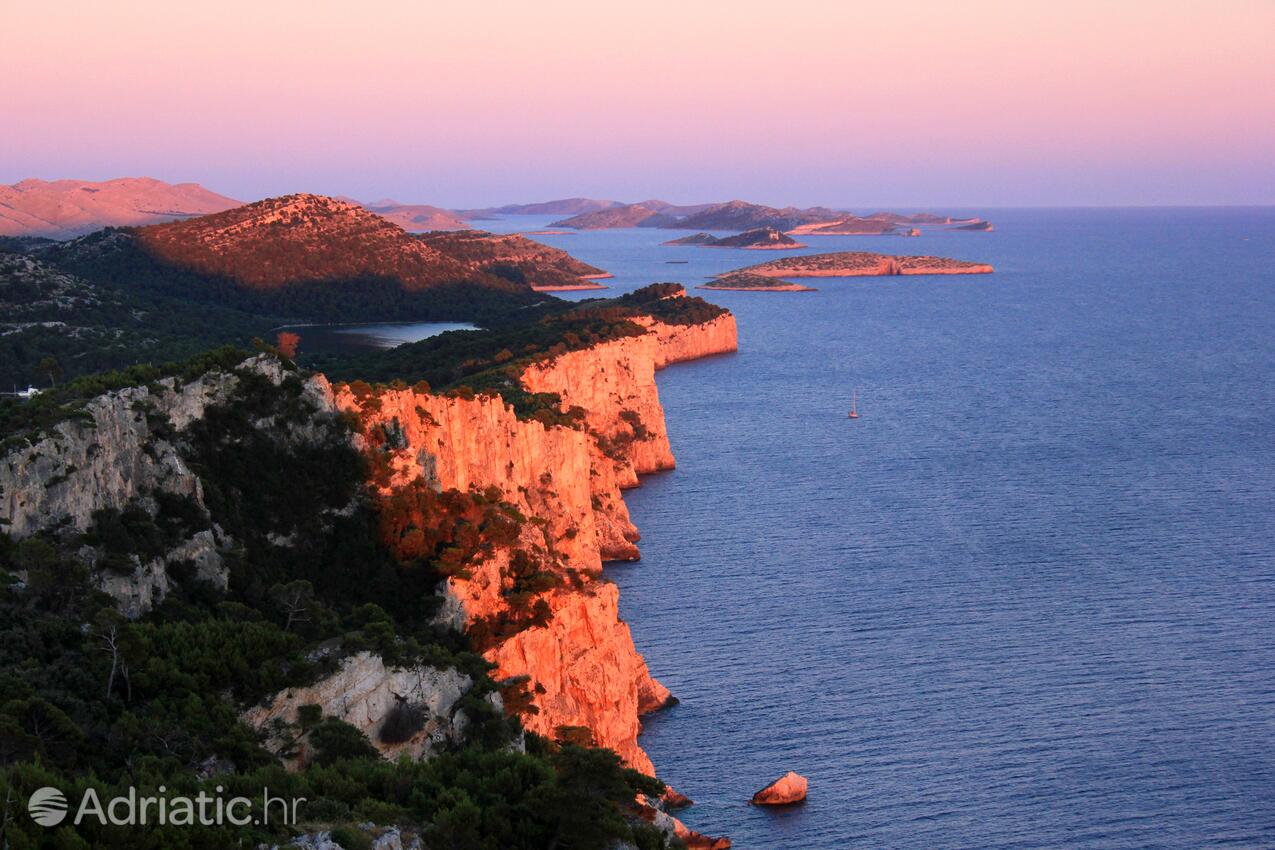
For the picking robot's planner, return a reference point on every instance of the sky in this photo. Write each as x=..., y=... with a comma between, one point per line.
x=921, y=103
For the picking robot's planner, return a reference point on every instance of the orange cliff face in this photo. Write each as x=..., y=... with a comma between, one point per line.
x=581, y=665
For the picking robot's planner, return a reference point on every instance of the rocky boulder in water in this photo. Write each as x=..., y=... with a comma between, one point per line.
x=789, y=788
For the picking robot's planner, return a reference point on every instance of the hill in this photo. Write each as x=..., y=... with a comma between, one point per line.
x=627, y=215
x=64, y=209
x=517, y=258
x=299, y=256
x=563, y=206
x=416, y=217
x=741, y=215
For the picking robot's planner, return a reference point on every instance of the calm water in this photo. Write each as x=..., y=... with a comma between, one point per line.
x=1028, y=599
x=360, y=337
x=1025, y=601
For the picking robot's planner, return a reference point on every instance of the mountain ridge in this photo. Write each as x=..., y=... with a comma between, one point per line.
x=68, y=208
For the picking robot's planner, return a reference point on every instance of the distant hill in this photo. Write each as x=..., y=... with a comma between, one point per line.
x=63, y=209
x=417, y=217
x=564, y=206
x=543, y=268
x=627, y=215
x=732, y=215
x=741, y=215
x=299, y=256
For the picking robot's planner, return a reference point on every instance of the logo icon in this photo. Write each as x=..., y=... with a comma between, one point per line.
x=47, y=806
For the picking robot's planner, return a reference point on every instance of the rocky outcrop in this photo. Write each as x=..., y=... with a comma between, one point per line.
x=123, y=450
x=653, y=813
x=581, y=666
x=363, y=693
x=148, y=584
x=787, y=789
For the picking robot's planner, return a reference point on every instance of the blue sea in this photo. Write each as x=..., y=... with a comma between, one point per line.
x=1027, y=600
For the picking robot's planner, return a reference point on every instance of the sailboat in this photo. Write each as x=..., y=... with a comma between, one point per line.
x=854, y=406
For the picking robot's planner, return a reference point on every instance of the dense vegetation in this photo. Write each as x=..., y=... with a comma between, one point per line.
x=492, y=359
x=24, y=420
x=54, y=326
x=320, y=568
x=117, y=258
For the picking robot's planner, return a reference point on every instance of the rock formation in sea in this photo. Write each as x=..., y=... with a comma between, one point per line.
x=787, y=789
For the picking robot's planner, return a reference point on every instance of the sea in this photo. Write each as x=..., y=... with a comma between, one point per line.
x=1027, y=598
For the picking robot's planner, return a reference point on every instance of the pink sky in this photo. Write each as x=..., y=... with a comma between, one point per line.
x=839, y=102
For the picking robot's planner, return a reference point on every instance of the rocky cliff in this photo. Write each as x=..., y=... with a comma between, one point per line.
x=122, y=452
x=363, y=693
x=579, y=661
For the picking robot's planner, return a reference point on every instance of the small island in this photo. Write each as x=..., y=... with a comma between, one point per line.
x=758, y=239
x=860, y=264
x=748, y=282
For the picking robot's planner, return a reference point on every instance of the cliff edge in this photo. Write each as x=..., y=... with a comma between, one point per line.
x=564, y=641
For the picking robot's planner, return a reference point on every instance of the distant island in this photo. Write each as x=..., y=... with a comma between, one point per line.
x=742, y=216
x=750, y=282
x=850, y=225
x=860, y=264
x=760, y=239
x=415, y=218
x=562, y=206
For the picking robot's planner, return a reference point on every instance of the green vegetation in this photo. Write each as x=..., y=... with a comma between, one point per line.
x=84, y=328
x=90, y=699
x=491, y=360
x=119, y=260
x=25, y=420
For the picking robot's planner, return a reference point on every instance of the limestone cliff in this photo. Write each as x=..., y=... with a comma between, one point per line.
x=363, y=693
x=124, y=450
x=580, y=664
